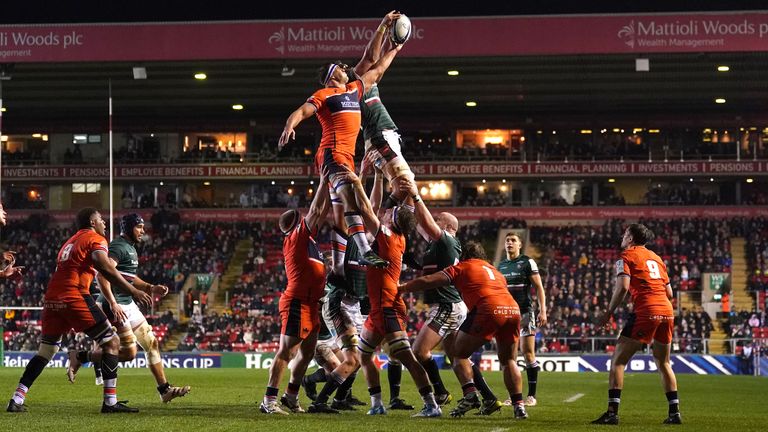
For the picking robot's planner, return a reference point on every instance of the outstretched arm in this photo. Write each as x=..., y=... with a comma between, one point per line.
x=302, y=113
x=373, y=50
x=423, y=216
x=374, y=74
x=377, y=192
x=435, y=280
x=366, y=211
x=320, y=204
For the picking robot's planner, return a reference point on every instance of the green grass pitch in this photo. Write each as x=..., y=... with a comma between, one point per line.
x=226, y=400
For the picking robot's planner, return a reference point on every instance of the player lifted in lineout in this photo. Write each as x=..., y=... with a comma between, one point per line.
x=337, y=107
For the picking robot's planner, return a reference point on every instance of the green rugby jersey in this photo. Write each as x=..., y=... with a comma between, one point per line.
x=124, y=253
x=375, y=117
x=518, y=274
x=441, y=253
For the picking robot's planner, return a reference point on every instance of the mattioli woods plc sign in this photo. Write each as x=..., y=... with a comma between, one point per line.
x=705, y=32
x=317, y=38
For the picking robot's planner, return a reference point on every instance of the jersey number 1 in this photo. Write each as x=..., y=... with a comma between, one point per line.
x=490, y=273
x=653, y=269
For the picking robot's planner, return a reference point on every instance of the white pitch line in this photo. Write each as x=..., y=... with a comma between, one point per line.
x=574, y=398
x=499, y=430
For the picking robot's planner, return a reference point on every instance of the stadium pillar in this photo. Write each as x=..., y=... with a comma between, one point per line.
x=525, y=192
x=595, y=194
x=738, y=193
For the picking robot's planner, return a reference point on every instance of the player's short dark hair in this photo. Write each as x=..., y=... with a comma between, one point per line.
x=472, y=250
x=405, y=220
x=84, y=216
x=513, y=234
x=288, y=220
x=640, y=233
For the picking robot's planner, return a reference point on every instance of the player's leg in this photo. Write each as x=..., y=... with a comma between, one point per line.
x=369, y=341
x=126, y=352
x=395, y=380
x=327, y=354
x=145, y=337
x=290, y=339
x=287, y=348
x=49, y=346
x=528, y=347
x=339, y=375
x=528, y=344
x=351, y=309
x=335, y=164
x=463, y=347
x=513, y=381
x=385, y=152
x=306, y=352
x=625, y=349
x=400, y=348
x=662, y=347
x=440, y=326
x=86, y=316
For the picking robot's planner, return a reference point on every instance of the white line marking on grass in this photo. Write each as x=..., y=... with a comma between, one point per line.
x=499, y=429
x=574, y=398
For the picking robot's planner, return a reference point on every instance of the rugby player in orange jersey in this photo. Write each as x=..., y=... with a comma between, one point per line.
x=386, y=319
x=493, y=312
x=299, y=308
x=69, y=305
x=337, y=107
x=643, y=275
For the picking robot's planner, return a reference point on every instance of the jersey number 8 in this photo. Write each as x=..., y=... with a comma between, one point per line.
x=65, y=252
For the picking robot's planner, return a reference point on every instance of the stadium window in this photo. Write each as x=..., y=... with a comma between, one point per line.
x=78, y=187
x=92, y=187
x=82, y=138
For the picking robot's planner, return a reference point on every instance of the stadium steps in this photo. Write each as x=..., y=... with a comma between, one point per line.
x=169, y=303
x=687, y=302
x=231, y=276
x=740, y=297
x=717, y=339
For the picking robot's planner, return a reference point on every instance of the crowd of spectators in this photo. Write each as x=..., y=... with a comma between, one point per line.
x=576, y=263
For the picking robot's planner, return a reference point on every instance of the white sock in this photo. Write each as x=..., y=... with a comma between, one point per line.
x=20, y=394
x=376, y=400
x=110, y=392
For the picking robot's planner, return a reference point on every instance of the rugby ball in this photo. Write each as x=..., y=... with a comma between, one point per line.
x=401, y=30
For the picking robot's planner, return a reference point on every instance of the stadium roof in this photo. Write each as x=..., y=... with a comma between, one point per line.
x=536, y=90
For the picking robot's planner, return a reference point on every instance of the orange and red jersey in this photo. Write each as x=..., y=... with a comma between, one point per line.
x=648, y=280
x=74, y=266
x=383, y=282
x=480, y=283
x=303, y=265
x=338, y=111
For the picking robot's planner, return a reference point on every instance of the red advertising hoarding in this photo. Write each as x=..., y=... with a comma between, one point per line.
x=432, y=170
x=529, y=214
x=432, y=37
